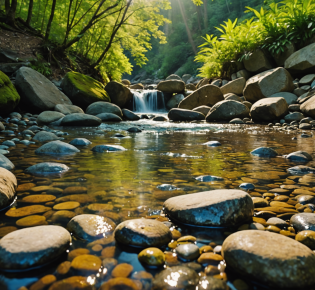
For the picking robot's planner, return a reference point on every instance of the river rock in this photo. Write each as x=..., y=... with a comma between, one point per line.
x=207, y=95
x=137, y=87
x=295, y=116
x=68, y=109
x=57, y=148
x=31, y=247
x=307, y=238
x=37, y=92
x=257, y=62
x=301, y=170
x=103, y=107
x=247, y=186
x=79, y=119
x=308, y=107
x=90, y=227
x=174, y=77
x=212, y=143
x=108, y=148
x=218, y=208
x=119, y=94
x=203, y=110
x=268, y=83
x=174, y=101
x=43, y=136
x=235, y=87
x=47, y=168
x=209, y=178
x=80, y=142
x=299, y=156
x=8, y=185
x=303, y=221
x=48, y=117
x=264, y=152
x=171, y=86
x=143, y=233
x=188, y=252
x=83, y=90
x=227, y=110
x=9, y=96
x=109, y=117
x=302, y=61
x=250, y=253
x=152, y=257
x=6, y=163
x=306, y=199
x=184, y=115
x=269, y=109
x=177, y=277
x=289, y=97
x=129, y=115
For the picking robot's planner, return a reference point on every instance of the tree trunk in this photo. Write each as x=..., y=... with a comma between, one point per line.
x=30, y=11
x=43, y=21
x=52, y=13
x=11, y=13
x=190, y=39
x=198, y=17
x=7, y=5
x=205, y=18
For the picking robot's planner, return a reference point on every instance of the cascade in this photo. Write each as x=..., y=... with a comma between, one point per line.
x=148, y=101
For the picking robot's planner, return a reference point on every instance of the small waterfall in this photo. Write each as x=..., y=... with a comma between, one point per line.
x=148, y=101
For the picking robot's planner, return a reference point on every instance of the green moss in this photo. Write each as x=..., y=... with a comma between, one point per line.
x=9, y=97
x=88, y=86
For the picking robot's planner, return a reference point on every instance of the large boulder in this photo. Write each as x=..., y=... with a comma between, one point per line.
x=234, y=87
x=8, y=185
x=37, y=92
x=119, y=94
x=83, y=90
x=207, y=95
x=48, y=117
x=43, y=136
x=103, y=107
x=289, y=97
x=302, y=61
x=268, y=83
x=173, y=77
x=308, y=107
x=174, y=101
x=271, y=259
x=9, y=97
x=79, y=119
x=185, y=115
x=171, y=86
x=129, y=115
x=68, y=109
x=227, y=110
x=269, y=109
x=282, y=56
x=56, y=148
x=217, y=208
x=257, y=62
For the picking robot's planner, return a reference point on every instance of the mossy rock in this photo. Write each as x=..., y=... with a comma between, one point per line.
x=9, y=97
x=83, y=90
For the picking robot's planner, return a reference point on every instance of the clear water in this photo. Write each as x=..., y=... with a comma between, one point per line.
x=148, y=101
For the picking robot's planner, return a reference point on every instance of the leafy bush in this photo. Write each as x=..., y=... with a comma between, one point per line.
x=41, y=66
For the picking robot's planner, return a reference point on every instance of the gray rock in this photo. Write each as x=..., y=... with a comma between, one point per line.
x=68, y=109
x=289, y=97
x=109, y=117
x=134, y=130
x=211, y=283
x=160, y=119
x=303, y=221
x=299, y=156
x=280, y=223
x=37, y=91
x=184, y=115
x=6, y=163
x=202, y=109
x=129, y=115
x=171, y=86
x=47, y=168
x=269, y=109
x=250, y=253
x=257, y=62
x=247, y=186
x=235, y=87
x=48, y=117
x=8, y=185
x=306, y=199
x=296, y=116
x=167, y=187
x=56, y=148
x=174, y=77
x=103, y=107
x=90, y=227
x=80, y=142
x=212, y=143
x=143, y=233
x=119, y=94
x=188, y=252
x=217, y=208
x=209, y=178
x=106, y=148
x=176, y=278
x=301, y=170
x=32, y=247
x=264, y=152
x=43, y=136
x=174, y=101
x=227, y=110
x=8, y=143
x=78, y=119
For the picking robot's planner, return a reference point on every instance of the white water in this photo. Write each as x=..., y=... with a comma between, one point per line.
x=148, y=102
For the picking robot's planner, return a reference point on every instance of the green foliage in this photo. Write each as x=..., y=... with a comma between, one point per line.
x=41, y=66
x=291, y=21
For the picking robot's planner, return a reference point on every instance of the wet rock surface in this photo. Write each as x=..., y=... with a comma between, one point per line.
x=46, y=168
x=57, y=147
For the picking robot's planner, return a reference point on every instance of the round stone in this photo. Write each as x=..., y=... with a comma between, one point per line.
x=46, y=168
x=251, y=253
x=213, y=143
x=247, y=186
x=86, y=264
x=38, y=198
x=280, y=223
x=303, y=221
x=80, y=142
x=31, y=221
x=120, y=283
x=56, y=148
x=69, y=205
x=177, y=277
x=217, y=208
x=188, y=252
x=210, y=258
x=307, y=238
x=74, y=282
x=211, y=283
x=31, y=247
x=306, y=199
x=260, y=202
x=143, y=233
x=301, y=170
x=25, y=187
x=152, y=257
x=27, y=210
x=8, y=184
x=108, y=148
x=122, y=270
x=264, y=152
x=90, y=227
x=209, y=178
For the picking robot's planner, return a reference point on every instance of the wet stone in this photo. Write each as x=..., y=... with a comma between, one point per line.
x=280, y=223
x=56, y=148
x=25, y=187
x=307, y=238
x=306, y=199
x=62, y=216
x=209, y=178
x=260, y=202
x=107, y=148
x=69, y=205
x=301, y=170
x=86, y=264
x=43, y=282
x=264, y=152
x=27, y=210
x=213, y=143
x=6, y=163
x=120, y=283
x=122, y=270
x=299, y=156
x=31, y=221
x=188, y=252
x=210, y=258
x=211, y=283
x=38, y=198
x=177, y=277
x=74, y=190
x=143, y=233
x=73, y=283
x=63, y=268
x=80, y=142
x=77, y=252
x=6, y=230
x=247, y=186
x=303, y=221
x=90, y=227
x=47, y=168
x=109, y=264
x=152, y=257
x=31, y=247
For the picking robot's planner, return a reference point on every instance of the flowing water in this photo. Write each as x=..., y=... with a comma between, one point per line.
x=127, y=181
x=148, y=101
